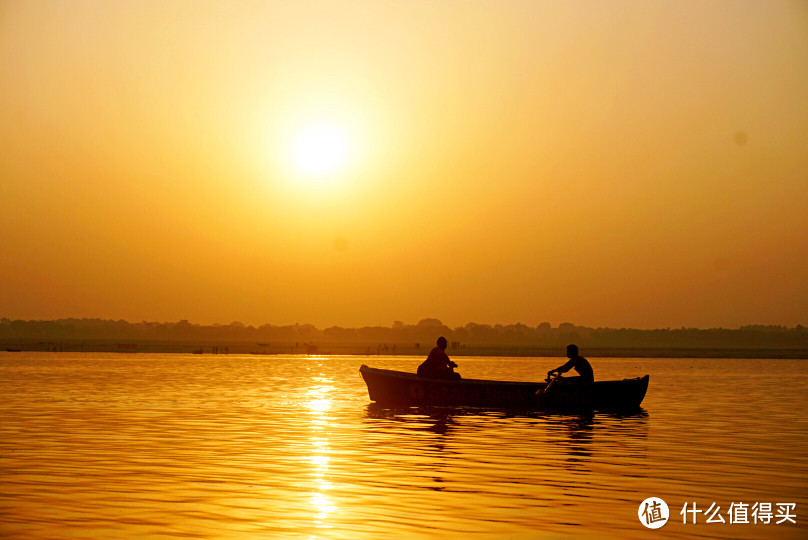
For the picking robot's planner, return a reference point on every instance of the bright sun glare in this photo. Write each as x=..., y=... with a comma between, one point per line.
x=320, y=151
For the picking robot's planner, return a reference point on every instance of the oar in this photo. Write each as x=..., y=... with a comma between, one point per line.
x=541, y=392
x=552, y=382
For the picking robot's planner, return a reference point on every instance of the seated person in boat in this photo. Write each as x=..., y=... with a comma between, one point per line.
x=577, y=362
x=437, y=365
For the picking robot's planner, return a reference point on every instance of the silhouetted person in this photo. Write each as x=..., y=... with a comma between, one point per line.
x=437, y=365
x=579, y=363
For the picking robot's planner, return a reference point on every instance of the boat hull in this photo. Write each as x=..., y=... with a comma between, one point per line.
x=398, y=388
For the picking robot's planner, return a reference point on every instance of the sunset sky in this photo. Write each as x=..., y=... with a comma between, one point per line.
x=606, y=163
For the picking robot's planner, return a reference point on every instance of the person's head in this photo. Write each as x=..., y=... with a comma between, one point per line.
x=572, y=351
x=442, y=342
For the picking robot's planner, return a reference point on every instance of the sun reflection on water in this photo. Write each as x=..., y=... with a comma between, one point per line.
x=318, y=405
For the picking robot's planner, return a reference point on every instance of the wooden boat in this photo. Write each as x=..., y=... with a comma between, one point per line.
x=400, y=388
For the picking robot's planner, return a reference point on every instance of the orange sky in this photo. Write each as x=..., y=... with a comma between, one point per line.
x=630, y=163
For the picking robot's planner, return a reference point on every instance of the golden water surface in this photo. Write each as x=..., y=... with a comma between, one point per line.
x=100, y=445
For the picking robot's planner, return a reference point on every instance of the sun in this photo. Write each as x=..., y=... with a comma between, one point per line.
x=320, y=151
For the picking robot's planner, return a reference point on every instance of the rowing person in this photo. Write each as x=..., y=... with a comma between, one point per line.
x=437, y=365
x=577, y=362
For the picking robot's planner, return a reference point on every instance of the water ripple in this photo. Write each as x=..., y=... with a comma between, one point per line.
x=123, y=446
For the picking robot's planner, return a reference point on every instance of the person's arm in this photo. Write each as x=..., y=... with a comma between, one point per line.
x=445, y=360
x=563, y=368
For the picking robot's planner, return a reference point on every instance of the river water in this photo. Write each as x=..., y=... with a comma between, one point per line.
x=98, y=445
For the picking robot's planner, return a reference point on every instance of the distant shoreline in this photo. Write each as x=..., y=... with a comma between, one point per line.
x=363, y=349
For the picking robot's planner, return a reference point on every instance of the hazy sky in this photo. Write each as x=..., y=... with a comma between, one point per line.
x=607, y=163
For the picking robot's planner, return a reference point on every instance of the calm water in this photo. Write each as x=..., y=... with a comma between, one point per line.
x=125, y=446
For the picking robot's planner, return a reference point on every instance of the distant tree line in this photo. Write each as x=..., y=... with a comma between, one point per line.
x=424, y=334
